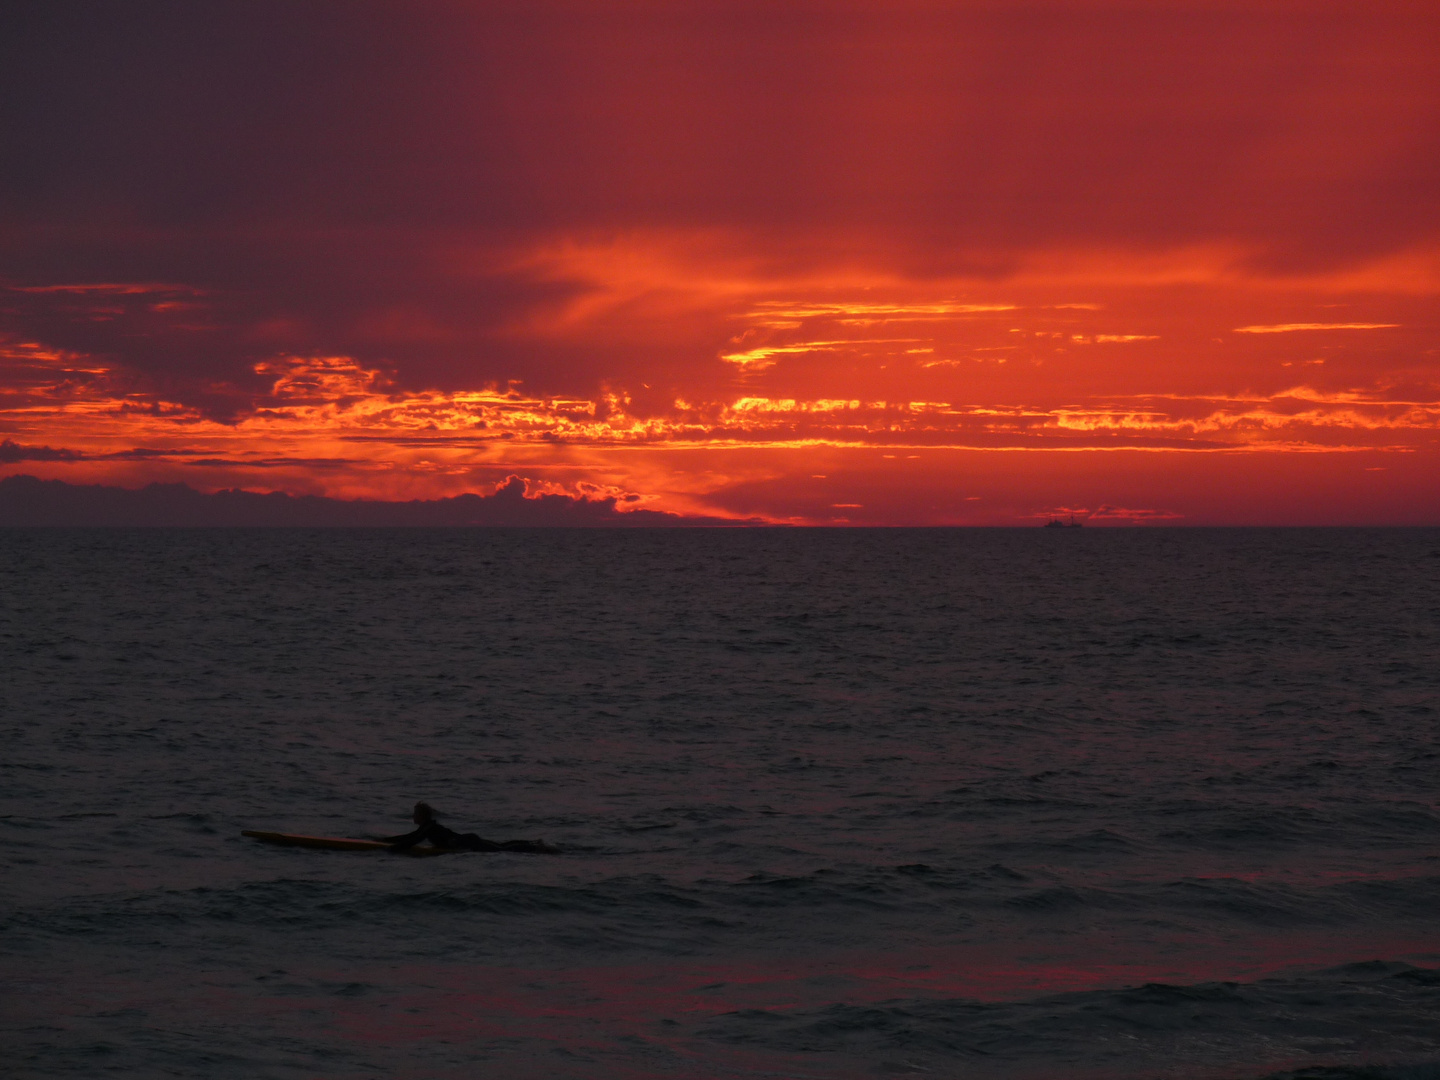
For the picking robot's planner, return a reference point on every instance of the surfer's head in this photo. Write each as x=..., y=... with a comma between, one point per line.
x=424, y=813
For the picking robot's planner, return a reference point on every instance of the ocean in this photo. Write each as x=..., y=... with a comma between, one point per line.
x=833, y=804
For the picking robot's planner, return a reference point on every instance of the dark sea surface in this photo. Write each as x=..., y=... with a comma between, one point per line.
x=833, y=804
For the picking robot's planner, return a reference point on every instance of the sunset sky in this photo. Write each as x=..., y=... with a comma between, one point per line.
x=821, y=262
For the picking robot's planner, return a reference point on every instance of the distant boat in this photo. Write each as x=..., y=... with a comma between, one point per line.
x=1056, y=523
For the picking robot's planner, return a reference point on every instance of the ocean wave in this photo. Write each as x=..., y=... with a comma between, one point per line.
x=1335, y=1018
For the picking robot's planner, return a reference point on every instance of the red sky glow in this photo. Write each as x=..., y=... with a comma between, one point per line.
x=816, y=263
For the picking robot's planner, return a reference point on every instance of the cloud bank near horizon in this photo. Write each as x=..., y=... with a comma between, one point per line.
x=26, y=501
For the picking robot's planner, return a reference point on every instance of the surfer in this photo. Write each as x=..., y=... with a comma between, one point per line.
x=428, y=828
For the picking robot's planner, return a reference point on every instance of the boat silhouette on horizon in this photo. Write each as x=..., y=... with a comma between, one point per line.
x=1056, y=523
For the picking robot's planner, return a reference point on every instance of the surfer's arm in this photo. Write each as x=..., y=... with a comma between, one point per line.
x=407, y=840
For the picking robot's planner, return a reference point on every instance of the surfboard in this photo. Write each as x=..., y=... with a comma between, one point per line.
x=333, y=843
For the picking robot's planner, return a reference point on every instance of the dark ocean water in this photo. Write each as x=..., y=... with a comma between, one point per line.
x=835, y=804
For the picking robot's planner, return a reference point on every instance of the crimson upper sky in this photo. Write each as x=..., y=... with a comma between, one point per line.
x=816, y=262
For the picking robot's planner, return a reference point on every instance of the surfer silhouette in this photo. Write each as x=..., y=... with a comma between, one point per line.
x=428, y=829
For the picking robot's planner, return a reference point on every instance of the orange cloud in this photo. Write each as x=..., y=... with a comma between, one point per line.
x=893, y=262
x=1285, y=328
